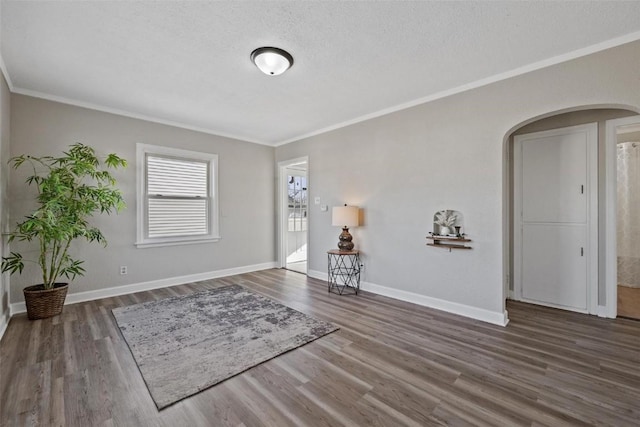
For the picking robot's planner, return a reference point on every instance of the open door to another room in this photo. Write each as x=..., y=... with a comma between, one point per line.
x=294, y=219
x=628, y=219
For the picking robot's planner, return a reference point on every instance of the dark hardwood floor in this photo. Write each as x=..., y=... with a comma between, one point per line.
x=391, y=363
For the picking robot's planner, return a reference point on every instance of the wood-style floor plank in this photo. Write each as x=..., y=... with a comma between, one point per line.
x=392, y=363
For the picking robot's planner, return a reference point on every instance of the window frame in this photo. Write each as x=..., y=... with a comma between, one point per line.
x=142, y=215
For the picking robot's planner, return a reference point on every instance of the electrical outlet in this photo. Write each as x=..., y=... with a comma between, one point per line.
x=123, y=270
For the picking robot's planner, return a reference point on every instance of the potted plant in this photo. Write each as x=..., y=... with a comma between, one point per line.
x=70, y=190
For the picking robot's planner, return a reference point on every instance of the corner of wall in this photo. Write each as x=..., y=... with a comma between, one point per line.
x=5, y=118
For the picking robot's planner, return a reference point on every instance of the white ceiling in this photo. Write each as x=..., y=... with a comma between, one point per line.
x=187, y=63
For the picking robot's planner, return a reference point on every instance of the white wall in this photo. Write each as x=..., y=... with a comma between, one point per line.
x=246, y=185
x=447, y=154
x=5, y=115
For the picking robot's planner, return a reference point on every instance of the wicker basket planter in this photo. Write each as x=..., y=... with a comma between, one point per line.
x=42, y=303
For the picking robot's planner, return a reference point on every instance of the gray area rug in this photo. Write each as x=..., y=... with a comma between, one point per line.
x=188, y=343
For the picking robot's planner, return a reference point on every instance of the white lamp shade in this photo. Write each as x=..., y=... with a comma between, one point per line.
x=272, y=61
x=345, y=216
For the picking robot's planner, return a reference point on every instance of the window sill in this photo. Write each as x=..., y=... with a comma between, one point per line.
x=160, y=243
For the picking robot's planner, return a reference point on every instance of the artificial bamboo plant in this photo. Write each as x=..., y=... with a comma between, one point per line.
x=71, y=189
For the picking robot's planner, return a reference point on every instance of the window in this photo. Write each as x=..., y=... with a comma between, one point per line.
x=177, y=196
x=297, y=203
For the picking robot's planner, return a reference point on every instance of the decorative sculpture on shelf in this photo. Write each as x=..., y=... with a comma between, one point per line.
x=445, y=221
x=443, y=234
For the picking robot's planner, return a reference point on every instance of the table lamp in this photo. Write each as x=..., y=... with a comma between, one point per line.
x=345, y=217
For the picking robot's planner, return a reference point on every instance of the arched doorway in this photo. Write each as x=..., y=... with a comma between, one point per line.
x=600, y=115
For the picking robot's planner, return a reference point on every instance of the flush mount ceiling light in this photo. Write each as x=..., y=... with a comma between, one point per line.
x=271, y=60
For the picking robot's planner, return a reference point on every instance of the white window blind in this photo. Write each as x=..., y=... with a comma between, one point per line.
x=177, y=197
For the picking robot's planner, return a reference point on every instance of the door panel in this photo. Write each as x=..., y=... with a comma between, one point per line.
x=555, y=241
x=554, y=169
x=555, y=269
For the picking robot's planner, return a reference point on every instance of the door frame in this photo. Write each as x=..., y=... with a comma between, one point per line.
x=611, y=213
x=282, y=208
x=592, y=211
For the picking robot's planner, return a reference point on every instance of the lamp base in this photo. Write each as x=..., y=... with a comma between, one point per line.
x=345, y=243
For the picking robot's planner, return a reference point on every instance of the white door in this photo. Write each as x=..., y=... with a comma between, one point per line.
x=555, y=217
x=293, y=213
x=296, y=227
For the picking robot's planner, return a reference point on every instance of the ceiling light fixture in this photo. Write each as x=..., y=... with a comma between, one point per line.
x=271, y=60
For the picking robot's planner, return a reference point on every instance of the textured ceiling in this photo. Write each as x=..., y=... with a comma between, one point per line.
x=188, y=63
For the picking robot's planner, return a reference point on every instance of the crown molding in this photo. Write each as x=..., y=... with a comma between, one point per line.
x=129, y=114
x=608, y=44
x=5, y=73
x=565, y=57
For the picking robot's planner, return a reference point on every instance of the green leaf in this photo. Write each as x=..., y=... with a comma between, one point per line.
x=72, y=188
x=13, y=263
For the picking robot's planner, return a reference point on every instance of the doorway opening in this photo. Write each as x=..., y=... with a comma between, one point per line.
x=628, y=220
x=294, y=218
x=608, y=118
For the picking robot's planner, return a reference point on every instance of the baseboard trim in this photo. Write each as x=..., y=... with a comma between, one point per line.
x=604, y=311
x=19, y=307
x=4, y=323
x=495, y=318
x=317, y=274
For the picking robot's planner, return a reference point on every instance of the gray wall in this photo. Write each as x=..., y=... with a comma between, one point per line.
x=400, y=168
x=5, y=118
x=447, y=154
x=246, y=186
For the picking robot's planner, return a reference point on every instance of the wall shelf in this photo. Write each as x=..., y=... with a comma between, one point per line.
x=448, y=242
